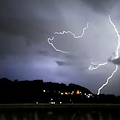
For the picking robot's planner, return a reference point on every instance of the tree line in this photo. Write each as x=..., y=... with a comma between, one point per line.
x=37, y=91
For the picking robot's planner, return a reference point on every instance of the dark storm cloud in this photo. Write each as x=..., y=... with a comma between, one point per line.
x=62, y=63
x=32, y=22
x=101, y=6
x=28, y=42
x=43, y=52
x=71, y=56
x=19, y=27
x=116, y=61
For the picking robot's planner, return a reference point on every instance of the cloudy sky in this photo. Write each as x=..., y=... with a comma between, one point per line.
x=25, y=26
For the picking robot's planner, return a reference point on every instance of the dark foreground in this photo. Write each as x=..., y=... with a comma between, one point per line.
x=57, y=114
x=59, y=106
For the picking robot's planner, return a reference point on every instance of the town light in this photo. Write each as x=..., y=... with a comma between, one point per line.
x=78, y=92
x=44, y=90
x=66, y=93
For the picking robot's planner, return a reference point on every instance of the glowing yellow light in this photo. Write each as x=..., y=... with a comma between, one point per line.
x=78, y=92
x=66, y=93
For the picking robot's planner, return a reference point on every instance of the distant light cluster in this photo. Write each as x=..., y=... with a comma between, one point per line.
x=52, y=100
x=69, y=93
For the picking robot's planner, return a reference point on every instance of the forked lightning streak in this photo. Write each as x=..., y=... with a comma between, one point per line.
x=116, y=56
x=97, y=66
x=58, y=50
x=73, y=33
x=92, y=66
x=116, y=68
x=65, y=32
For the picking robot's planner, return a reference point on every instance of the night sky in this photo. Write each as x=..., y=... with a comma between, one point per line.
x=25, y=26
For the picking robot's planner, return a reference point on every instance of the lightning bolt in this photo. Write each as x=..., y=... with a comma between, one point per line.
x=65, y=32
x=58, y=50
x=118, y=46
x=97, y=65
x=116, y=56
x=116, y=68
x=116, y=52
x=73, y=33
x=92, y=66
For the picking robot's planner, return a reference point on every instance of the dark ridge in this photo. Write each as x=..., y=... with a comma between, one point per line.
x=37, y=91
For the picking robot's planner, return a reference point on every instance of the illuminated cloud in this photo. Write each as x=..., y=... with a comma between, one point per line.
x=26, y=53
x=116, y=61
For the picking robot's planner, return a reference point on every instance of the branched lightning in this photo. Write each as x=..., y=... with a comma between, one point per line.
x=97, y=66
x=93, y=65
x=118, y=46
x=58, y=50
x=116, y=52
x=65, y=32
x=116, y=56
x=116, y=68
